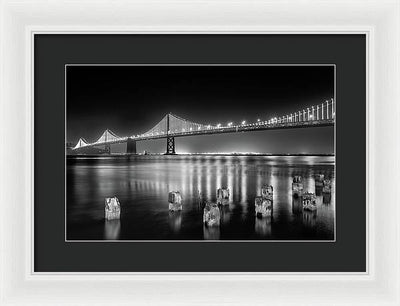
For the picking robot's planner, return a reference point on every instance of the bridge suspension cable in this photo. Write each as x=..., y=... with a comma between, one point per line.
x=172, y=125
x=180, y=125
x=108, y=136
x=81, y=143
x=159, y=129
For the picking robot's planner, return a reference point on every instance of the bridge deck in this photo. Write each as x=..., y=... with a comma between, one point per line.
x=225, y=129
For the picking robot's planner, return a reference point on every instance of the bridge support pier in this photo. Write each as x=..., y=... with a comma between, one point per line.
x=107, y=148
x=131, y=146
x=170, y=146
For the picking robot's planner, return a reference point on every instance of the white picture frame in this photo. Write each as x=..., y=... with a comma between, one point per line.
x=379, y=20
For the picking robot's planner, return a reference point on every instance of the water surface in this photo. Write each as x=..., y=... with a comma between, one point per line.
x=142, y=183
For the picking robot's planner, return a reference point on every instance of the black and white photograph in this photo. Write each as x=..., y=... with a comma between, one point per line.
x=200, y=152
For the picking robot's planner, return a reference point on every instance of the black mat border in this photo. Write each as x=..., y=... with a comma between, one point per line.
x=346, y=51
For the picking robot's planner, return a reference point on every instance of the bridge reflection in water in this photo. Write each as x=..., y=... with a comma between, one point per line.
x=142, y=184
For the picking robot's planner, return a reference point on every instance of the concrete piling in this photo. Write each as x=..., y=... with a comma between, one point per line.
x=309, y=201
x=327, y=192
x=319, y=182
x=267, y=192
x=263, y=207
x=297, y=186
x=297, y=205
x=211, y=215
x=112, y=208
x=326, y=198
x=174, y=201
x=327, y=186
x=223, y=196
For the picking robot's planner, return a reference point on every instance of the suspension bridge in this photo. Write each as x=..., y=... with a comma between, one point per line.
x=171, y=126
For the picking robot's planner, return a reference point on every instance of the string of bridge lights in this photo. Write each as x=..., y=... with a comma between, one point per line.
x=318, y=112
x=323, y=111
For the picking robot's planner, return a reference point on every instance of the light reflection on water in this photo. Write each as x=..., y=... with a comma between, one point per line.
x=142, y=184
x=263, y=226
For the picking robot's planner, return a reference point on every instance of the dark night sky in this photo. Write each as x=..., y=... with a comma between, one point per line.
x=132, y=99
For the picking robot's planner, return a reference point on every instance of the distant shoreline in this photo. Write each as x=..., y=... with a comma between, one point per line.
x=194, y=154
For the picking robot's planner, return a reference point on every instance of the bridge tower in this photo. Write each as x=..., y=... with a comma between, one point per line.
x=131, y=146
x=170, y=141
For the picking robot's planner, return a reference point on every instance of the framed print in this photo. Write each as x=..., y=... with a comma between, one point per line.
x=186, y=181
x=161, y=152
x=229, y=163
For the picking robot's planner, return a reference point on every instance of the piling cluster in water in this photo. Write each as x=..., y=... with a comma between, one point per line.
x=308, y=198
x=211, y=211
x=263, y=202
